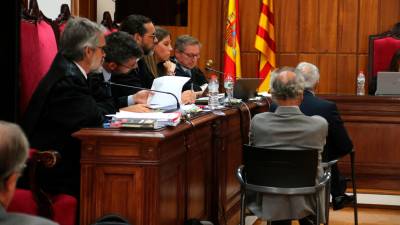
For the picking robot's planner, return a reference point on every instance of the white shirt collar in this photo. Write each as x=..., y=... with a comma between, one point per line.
x=106, y=74
x=81, y=69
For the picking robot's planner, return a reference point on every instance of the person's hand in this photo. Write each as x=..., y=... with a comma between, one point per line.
x=141, y=96
x=140, y=108
x=188, y=97
x=169, y=67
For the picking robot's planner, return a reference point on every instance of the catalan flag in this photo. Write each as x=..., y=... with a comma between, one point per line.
x=265, y=43
x=232, y=50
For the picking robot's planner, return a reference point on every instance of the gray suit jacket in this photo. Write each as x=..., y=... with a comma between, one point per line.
x=19, y=219
x=287, y=128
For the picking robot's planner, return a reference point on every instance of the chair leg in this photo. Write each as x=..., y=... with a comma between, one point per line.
x=318, y=209
x=242, y=207
x=327, y=194
x=353, y=181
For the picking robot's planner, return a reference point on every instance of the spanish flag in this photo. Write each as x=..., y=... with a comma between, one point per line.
x=265, y=43
x=232, y=50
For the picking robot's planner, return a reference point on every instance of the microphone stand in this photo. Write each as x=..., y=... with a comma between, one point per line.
x=178, y=106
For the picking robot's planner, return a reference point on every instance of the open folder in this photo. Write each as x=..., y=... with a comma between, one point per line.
x=172, y=84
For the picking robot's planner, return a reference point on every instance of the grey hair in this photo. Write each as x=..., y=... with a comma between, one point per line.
x=78, y=34
x=286, y=89
x=184, y=40
x=310, y=73
x=13, y=150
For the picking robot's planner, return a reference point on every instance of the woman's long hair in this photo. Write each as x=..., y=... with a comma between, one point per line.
x=150, y=60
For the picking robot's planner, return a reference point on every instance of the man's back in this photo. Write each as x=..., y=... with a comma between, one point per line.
x=338, y=142
x=287, y=128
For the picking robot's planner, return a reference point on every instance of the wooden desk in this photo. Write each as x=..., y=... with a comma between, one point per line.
x=164, y=177
x=373, y=122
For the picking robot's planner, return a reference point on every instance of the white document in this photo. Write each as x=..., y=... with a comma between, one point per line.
x=172, y=84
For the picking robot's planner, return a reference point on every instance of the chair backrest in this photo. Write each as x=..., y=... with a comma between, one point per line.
x=280, y=168
x=381, y=49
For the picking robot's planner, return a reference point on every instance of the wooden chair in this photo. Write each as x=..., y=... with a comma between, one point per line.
x=61, y=208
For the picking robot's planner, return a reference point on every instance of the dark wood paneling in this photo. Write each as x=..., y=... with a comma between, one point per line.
x=368, y=23
x=373, y=125
x=309, y=26
x=246, y=15
x=328, y=13
x=346, y=74
x=311, y=58
x=109, y=182
x=391, y=11
x=249, y=64
x=327, y=65
x=287, y=25
x=347, y=26
x=84, y=8
x=287, y=60
x=207, y=28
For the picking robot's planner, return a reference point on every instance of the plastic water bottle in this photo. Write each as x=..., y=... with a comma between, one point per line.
x=360, y=83
x=228, y=85
x=213, y=87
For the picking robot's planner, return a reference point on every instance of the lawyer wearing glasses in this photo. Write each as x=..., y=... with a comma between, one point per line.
x=62, y=103
x=187, y=54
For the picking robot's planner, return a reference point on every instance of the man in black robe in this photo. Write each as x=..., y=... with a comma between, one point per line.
x=143, y=32
x=122, y=54
x=62, y=103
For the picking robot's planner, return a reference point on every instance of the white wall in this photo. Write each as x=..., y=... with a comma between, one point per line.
x=51, y=8
x=105, y=5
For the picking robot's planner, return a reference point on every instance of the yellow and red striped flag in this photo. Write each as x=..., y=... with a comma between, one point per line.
x=232, y=50
x=265, y=43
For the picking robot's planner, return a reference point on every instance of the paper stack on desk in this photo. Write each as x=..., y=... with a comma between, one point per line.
x=155, y=120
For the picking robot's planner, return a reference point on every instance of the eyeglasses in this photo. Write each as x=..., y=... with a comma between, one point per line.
x=192, y=56
x=130, y=67
x=102, y=48
x=152, y=36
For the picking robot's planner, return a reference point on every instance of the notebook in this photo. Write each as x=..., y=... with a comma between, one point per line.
x=246, y=88
x=388, y=83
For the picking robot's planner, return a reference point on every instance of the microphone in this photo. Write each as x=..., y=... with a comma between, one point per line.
x=210, y=64
x=178, y=106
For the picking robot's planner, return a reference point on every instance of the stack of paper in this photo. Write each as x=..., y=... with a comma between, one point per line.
x=145, y=120
x=170, y=84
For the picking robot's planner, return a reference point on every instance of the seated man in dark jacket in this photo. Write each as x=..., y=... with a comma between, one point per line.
x=338, y=142
x=62, y=103
x=142, y=30
x=122, y=54
x=187, y=54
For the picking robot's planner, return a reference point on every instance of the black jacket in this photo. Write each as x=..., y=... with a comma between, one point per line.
x=61, y=105
x=101, y=90
x=198, y=78
x=338, y=142
x=140, y=77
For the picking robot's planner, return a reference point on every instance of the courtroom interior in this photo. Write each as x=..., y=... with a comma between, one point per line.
x=189, y=112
